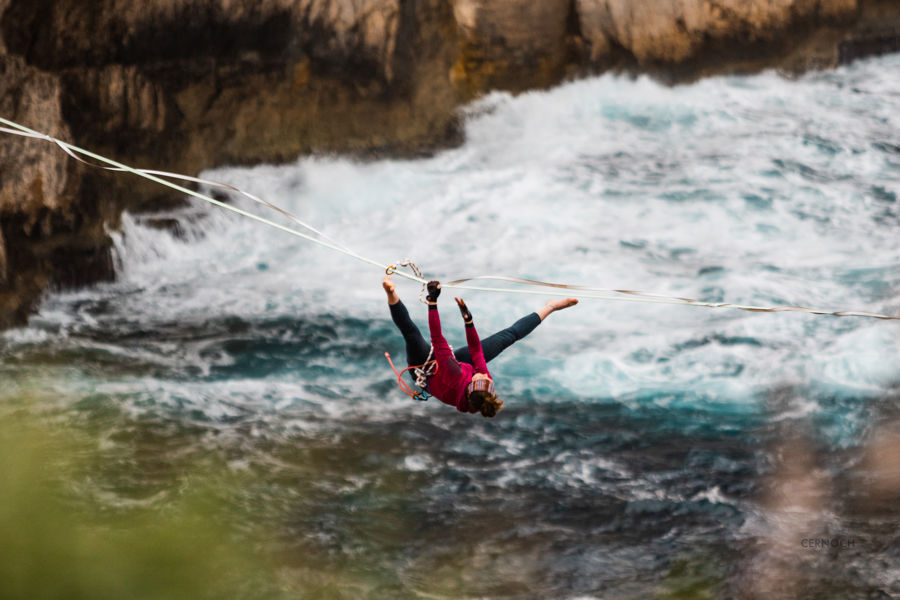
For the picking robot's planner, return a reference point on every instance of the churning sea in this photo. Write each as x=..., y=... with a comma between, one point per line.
x=645, y=451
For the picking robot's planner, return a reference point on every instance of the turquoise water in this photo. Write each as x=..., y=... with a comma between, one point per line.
x=644, y=449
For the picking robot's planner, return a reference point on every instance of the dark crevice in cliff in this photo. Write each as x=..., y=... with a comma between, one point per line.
x=619, y=59
x=576, y=52
x=52, y=249
x=877, y=31
x=404, y=58
x=21, y=24
x=317, y=40
x=871, y=45
x=113, y=134
x=193, y=33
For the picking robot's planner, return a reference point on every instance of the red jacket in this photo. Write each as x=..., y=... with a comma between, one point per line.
x=449, y=383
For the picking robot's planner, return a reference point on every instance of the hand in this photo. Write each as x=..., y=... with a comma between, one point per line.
x=434, y=290
x=464, y=310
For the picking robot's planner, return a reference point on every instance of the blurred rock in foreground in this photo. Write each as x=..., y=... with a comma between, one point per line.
x=184, y=85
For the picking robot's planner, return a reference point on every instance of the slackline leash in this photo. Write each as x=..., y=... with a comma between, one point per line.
x=317, y=237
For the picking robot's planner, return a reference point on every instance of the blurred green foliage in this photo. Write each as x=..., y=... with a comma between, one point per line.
x=57, y=543
x=692, y=578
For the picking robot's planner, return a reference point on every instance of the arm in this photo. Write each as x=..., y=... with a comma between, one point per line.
x=443, y=354
x=475, y=349
x=472, y=339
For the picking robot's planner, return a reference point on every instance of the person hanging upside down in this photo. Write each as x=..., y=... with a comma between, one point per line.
x=462, y=378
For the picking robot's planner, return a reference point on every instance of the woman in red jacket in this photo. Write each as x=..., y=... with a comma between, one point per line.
x=462, y=378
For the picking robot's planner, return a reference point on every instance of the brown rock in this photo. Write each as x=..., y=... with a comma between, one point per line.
x=517, y=45
x=510, y=44
x=47, y=234
x=653, y=33
x=34, y=172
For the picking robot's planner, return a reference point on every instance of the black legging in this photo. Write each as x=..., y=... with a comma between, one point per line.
x=417, y=348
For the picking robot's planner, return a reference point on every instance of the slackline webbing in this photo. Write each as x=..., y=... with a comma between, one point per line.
x=317, y=237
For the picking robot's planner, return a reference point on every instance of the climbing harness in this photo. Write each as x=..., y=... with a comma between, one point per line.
x=421, y=372
x=323, y=240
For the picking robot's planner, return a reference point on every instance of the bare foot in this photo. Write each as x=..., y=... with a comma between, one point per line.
x=388, y=284
x=555, y=305
x=561, y=304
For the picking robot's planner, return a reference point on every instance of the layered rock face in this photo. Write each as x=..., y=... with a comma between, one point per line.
x=184, y=85
x=46, y=235
x=517, y=44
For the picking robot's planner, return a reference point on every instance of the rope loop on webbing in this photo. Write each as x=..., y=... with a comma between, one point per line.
x=417, y=275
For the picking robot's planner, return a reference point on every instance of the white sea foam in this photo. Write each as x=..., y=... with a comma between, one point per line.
x=741, y=189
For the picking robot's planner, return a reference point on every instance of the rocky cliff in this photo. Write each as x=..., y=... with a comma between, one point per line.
x=517, y=44
x=187, y=84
